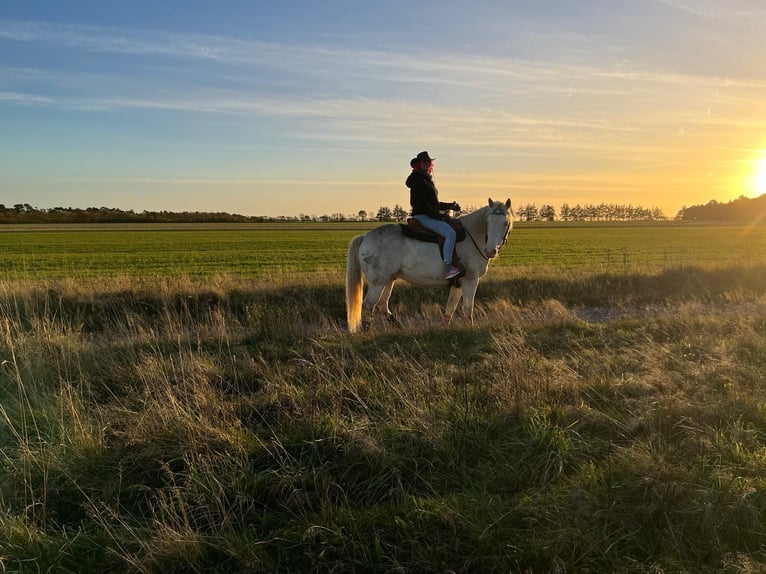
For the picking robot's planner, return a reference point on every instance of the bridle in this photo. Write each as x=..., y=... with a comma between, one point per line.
x=496, y=211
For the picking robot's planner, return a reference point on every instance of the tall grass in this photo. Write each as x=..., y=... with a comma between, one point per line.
x=587, y=423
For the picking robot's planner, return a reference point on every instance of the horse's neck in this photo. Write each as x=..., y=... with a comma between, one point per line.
x=476, y=223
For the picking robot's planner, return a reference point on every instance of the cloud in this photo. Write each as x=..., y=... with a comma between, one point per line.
x=481, y=105
x=25, y=99
x=100, y=39
x=458, y=69
x=714, y=10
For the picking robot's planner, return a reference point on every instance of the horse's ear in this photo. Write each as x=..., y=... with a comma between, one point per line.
x=491, y=202
x=508, y=203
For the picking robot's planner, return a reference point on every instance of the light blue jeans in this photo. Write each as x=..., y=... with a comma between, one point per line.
x=442, y=228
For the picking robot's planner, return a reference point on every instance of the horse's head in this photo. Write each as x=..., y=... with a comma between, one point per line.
x=499, y=224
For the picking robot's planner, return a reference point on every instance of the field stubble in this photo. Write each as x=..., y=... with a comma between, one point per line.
x=591, y=421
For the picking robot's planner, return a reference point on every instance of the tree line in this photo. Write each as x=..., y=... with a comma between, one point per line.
x=25, y=213
x=546, y=212
x=589, y=212
x=741, y=210
x=530, y=212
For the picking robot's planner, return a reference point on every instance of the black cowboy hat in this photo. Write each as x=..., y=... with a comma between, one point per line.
x=423, y=156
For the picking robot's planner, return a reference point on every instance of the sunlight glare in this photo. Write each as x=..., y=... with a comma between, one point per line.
x=758, y=178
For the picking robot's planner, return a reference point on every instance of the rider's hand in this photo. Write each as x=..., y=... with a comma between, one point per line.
x=455, y=206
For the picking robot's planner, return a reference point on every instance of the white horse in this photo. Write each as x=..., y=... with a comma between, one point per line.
x=385, y=254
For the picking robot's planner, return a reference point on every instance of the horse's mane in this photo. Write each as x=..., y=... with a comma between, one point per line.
x=475, y=220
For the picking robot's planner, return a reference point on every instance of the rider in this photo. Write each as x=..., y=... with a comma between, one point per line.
x=428, y=210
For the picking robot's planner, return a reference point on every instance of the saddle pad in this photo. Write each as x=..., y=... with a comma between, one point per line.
x=413, y=228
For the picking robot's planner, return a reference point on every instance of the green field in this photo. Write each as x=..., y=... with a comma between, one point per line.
x=265, y=249
x=636, y=248
x=158, y=250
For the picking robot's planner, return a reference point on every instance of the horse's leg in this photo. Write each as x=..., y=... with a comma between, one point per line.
x=370, y=303
x=383, y=304
x=469, y=293
x=454, y=298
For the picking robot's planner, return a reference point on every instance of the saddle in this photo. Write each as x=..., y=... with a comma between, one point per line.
x=414, y=229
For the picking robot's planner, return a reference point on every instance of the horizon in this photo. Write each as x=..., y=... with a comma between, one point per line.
x=372, y=215
x=277, y=110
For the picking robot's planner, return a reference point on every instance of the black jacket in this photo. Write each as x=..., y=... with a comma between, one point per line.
x=424, y=197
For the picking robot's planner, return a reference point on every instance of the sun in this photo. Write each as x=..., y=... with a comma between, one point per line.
x=758, y=177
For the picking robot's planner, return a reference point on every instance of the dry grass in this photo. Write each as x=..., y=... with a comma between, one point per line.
x=588, y=423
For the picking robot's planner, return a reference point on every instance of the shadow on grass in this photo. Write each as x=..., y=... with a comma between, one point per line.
x=291, y=311
x=673, y=285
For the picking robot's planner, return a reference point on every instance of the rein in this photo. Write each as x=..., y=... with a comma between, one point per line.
x=476, y=245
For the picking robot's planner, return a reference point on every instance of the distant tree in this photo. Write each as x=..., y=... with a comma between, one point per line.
x=399, y=213
x=362, y=215
x=527, y=212
x=547, y=213
x=384, y=214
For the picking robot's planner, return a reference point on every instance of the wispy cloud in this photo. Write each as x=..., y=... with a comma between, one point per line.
x=715, y=10
x=100, y=39
x=25, y=99
x=490, y=81
x=320, y=60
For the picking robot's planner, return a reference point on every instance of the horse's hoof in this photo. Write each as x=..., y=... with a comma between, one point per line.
x=392, y=320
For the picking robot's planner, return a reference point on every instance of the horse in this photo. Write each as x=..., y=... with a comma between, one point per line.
x=385, y=254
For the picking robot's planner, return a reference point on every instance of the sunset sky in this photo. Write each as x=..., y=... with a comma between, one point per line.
x=316, y=107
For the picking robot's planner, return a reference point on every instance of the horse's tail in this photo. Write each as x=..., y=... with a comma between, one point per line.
x=354, y=285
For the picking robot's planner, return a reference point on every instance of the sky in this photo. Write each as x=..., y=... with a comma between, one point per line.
x=315, y=108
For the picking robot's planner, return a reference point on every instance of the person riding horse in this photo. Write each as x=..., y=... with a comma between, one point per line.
x=428, y=210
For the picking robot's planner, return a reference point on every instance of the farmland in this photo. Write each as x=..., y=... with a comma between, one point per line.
x=49, y=251
x=186, y=400
x=152, y=249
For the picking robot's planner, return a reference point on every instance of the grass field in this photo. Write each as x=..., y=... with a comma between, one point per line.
x=606, y=414
x=264, y=249
x=154, y=250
